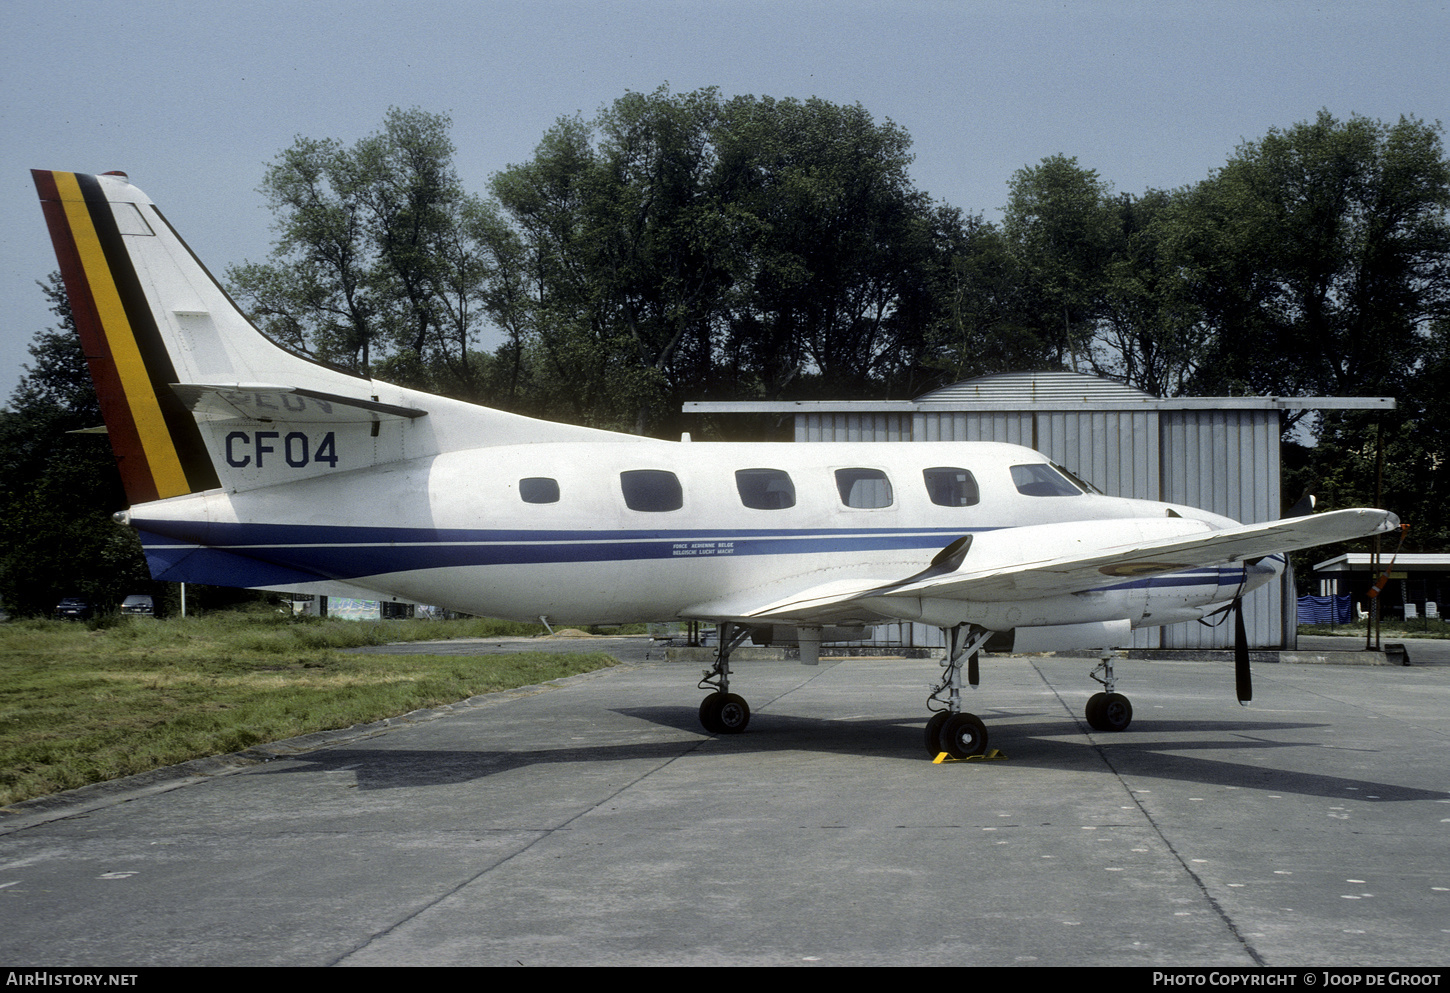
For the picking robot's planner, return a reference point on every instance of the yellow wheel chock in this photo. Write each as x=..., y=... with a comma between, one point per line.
x=944, y=757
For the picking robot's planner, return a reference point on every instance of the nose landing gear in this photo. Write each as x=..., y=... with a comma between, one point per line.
x=1109, y=710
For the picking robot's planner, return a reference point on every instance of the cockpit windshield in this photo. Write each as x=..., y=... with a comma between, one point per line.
x=1081, y=483
x=1042, y=480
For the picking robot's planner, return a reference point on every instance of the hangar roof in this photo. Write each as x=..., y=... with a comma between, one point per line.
x=1041, y=386
x=1404, y=562
x=1027, y=391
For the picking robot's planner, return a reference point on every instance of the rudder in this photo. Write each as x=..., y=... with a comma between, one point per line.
x=158, y=447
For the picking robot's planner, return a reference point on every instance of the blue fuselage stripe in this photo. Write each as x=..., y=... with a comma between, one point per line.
x=282, y=554
x=346, y=553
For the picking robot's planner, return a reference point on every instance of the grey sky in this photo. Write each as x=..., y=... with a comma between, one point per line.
x=191, y=99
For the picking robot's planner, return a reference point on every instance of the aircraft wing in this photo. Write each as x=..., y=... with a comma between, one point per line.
x=1009, y=564
x=1114, y=565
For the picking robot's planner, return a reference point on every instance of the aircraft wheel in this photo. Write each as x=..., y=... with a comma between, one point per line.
x=1117, y=712
x=734, y=713
x=724, y=713
x=964, y=735
x=1109, y=712
x=934, y=745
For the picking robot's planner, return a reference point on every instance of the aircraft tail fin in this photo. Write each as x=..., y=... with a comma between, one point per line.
x=157, y=443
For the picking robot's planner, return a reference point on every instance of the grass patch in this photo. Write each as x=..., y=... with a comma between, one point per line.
x=80, y=705
x=1389, y=628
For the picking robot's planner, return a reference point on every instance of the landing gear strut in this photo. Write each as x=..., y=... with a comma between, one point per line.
x=722, y=712
x=953, y=731
x=1109, y=710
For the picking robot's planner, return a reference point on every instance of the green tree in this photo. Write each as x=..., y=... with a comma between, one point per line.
x=1061, y=227
x=1150, y=334
x=1318, y=257
x=680, y=244
x=59, y=488
x=565, y=351
x=376, y=253
x=838, y=247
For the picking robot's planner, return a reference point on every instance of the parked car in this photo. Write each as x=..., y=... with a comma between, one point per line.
x=74, y=608
x=139, y=605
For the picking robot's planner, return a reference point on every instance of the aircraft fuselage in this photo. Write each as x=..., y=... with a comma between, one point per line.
x=590, y=533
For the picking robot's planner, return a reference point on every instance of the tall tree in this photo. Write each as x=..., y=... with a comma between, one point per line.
x=680, y=244
x=578, y=363
x=980, y=324
x=1318, y=256
x=1061, y=228
x=320, y=293
x=59, y=488
x=1150, y=333
x=660, y=245
x=839, y=245
x=374, y=255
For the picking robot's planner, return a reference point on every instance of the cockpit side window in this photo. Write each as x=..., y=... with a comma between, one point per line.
x=539, y=489
x=765, y=489
x=863, y=488
x=951, y=487
x=651, y=490
x=1041, y=479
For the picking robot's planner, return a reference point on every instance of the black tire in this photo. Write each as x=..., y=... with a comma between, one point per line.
x=964, y=735
x=1109, y=712
x=933, y=733
x=710, y=712
x=733, y=715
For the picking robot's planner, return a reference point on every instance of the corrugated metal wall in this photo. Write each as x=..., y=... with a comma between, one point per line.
x=1010, y=427
x=1226, y=461
x=853, y=427
x=1116, y=451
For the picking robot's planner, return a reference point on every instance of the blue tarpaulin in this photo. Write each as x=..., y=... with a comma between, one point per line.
x=1325, y=609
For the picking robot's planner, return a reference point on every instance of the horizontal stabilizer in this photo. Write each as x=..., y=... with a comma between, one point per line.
x=266, y=402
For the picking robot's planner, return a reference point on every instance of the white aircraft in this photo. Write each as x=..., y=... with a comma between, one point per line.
x=248, y=465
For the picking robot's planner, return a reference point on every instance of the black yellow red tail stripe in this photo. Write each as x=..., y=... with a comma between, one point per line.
x=156, y=441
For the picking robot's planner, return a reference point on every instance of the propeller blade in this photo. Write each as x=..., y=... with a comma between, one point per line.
x=974, y=676
x=1243, y=681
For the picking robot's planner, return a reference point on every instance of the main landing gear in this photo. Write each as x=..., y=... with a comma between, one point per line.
x=952, y=730
x=962, y=735
x=722, y=712
x=1108, y=711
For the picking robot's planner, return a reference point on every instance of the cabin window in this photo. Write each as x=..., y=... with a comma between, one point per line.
x=765, y=489
x=1041, y=479
x=950, y=487
x=539, y=489
x=653, y=491
x=863, y=488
